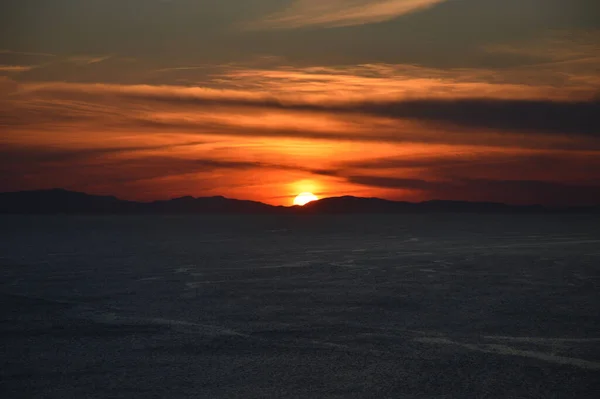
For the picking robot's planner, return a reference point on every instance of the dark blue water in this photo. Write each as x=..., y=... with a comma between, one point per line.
x=426, y=306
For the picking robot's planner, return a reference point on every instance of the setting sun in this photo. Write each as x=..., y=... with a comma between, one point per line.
x=304, y=198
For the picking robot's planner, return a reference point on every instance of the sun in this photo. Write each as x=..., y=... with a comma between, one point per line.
x=304, y=198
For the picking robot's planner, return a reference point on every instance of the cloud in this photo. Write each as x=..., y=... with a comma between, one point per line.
x=11, y=153
x=109, y=172
x=34, y=54
x=71, y=136
x=376, y=110
x=561, y=117
x=385, y=81
x=476, y=114
x=449, y=177
x=88, y=59
x=499, y=163
x=125, y=164
x=507, y=191
x=505, y=175
x=561, y=46
x=338, y=13
x=15, y=68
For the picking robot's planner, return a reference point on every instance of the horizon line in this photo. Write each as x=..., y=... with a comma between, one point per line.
x=533, y=205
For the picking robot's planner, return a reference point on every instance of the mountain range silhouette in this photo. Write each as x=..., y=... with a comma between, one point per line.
x=60, y=201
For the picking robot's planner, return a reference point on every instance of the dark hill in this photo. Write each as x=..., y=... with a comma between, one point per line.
x=376, y=205
x=349, y=204
x=59, y=201
x=63, y=201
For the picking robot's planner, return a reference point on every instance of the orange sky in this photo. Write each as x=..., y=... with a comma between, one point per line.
x=519, y=124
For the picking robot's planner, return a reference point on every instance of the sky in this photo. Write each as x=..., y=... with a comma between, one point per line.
x=413, y=100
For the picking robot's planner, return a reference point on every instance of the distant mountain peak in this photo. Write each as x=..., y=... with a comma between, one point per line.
x=58, y=200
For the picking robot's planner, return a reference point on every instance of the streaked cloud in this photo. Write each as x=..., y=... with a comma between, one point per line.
x=524, y=192
x=26, y=53
x=88, y=60
x=338, y=13
x=562, y=46
x=15, y=68
x=555, y=177
x=456, y=102
x=321, y=113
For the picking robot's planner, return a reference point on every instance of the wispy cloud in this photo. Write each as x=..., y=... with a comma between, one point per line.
x=5, y=51
x=88, y=59
x=378, y=117
x=64, y=67
x=453, y=133
x=413, y=109
x=508, y=191
x=556, y=46
x=35, y=154
x=338, y=13
x=491, y=174
x=456, y=163
x=16, y=68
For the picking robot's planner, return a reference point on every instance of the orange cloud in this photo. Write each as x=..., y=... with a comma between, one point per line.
x=337, y=13
x=487, y=118
x=268, y=133
x=15, y=68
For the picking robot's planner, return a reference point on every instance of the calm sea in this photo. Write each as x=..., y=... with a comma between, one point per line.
x=404, y=306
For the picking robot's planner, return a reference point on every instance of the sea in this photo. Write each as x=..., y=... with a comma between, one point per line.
x=300, y=306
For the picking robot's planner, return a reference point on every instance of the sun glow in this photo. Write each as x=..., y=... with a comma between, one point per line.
x=304, y=198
